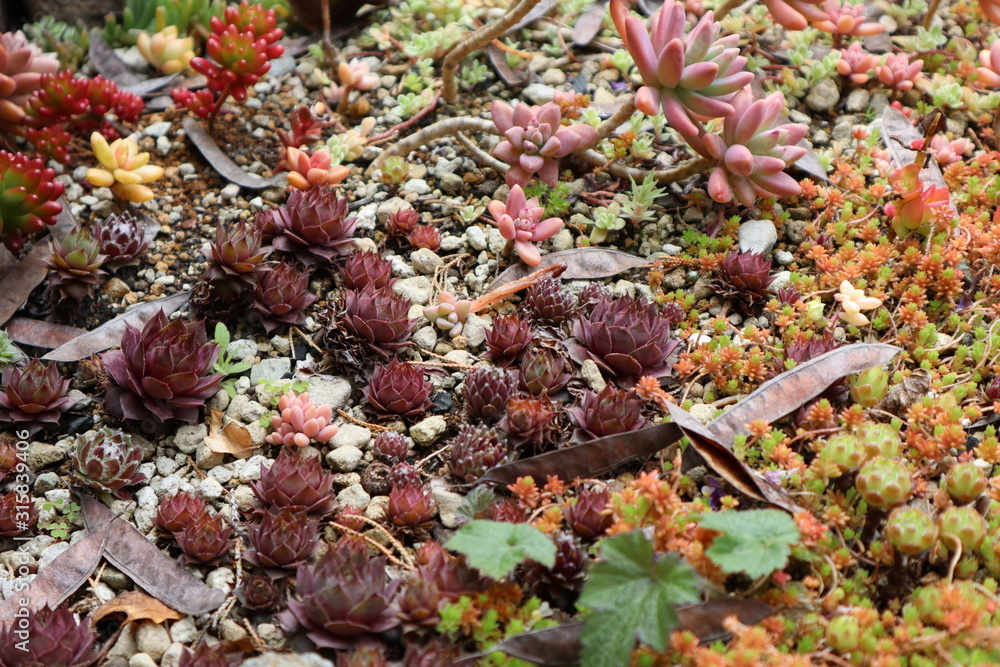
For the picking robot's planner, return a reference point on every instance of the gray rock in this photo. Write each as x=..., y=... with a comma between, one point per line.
x=757, y=236
x=345, y=459
x=428, y=430
x=495, y=241
x=476, y=237
x=332, y=391
x=425, y=337
x=538, y=93
x=221, y=579
x=287, y=660
x=781, y=280
x=445, y=167
x=451, y=243
x=172, y=656
x=857, y=100
x=417, y=186
x=41, y=455
x=47, y=481
x=189, y=436
x=475, y=330
x=50, y=553
x=270, y=369
x=783, y=257
x=425, y=261
x=157, y=130
x=184, y=631
x=355, y=496
x=351, y=435
x=281, y=344
x=242, y=350
x=447, y=502
x=245, y=410
x=230, y=192
x=563, y=240
x=125, y=646
x=388, y=207
x=824, y=96
x=220, y=401
x=367, y=215
x=152, y=639
x=591, y=374
x=417, y=290
x=553, y=77
x=451, y=184
x=210, y=489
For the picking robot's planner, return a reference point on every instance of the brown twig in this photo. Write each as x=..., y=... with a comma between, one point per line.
x=370, y=427
x=408, y=564
x=504, y=291
x=409, y=122
x=684, y=170
x=443, y=128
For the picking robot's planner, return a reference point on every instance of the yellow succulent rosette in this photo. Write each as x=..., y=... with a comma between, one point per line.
x=125, y=168
x=166, y=50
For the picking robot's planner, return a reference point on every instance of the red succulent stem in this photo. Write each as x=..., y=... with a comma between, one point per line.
x=218, y=105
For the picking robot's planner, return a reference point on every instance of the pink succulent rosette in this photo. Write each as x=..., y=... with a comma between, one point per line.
x=535, y=139
x=693, y=76
x=897, y=71
x=844, y=18
x=989, y=73
x=520, y=221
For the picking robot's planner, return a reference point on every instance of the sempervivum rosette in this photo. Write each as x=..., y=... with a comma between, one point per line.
x=314, y=225
x=379, y=316
x=34, y=395
x=54, y=638
x=161, y=372
x=107, y=461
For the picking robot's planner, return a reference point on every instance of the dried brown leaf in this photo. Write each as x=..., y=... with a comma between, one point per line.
x=511, y=77
x=62, y=577
x=898, y=133
x=589, y=23
x=590, y=458
x=137, y=606
x=232, y=439
x=226, y=168
x=29, y=272
x=537, y=12
x=40, y=333
x=560, y=646
x=901, y=396
x=151, y=569
x=109, y=65
x=581, y=264
x=109, y=334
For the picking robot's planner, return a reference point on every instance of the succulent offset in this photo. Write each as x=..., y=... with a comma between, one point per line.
x=178, y=510
x=544, y=371
x=162, y=372
x=520, y=222
x=237, y=256
x=22, y=65
x=508, y=337
x=54, y=638
x=282, y=539
x=607, y=412
x=398, y=389
x=34, y=395
x=300, y=421
x=366, y=268
x=449, y=314
x=107, y=461
x=378, y=316
x=281, y=296
x=474, y=451
x=310, y=170
x=487, y=391
x=314, y=225
x=76, y=265
x=28, y=194
x=166, y=50
x=121, y=237
x=205, y=540
x=295, y=480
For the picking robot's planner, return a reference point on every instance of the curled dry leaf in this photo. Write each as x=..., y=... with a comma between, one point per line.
x=510, y=76
x=581, y=264
x=901, y=396
x=137, y=606
x=228, y=169
x=233, y=438
x=109, y=65
x=589, y=23
x=41, y=333
x=109, y=334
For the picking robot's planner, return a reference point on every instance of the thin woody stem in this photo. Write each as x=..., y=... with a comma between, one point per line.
x=478, y=40
x=679, y=173
x=624, y=112
x=443, y=128
x=932, y=8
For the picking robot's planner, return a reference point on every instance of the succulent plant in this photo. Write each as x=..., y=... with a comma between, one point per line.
x=626, y=337
x=411, y=507
x=989, y=59
x=300, y=421
x=918, y=204
x=238, y=60
x=910, y=531
x=796, y=14
x=365, y=655
x=107, y=461
x=753, y=150
x=884, y=483
x=260, y=593
x=962, y=525
x=544, y=370
x=379, y=316
x=508, y=337
x=857, y=64
x=314, y=225
x=534, y=141
x=745, y=276
x=566, y=574
x=120, y=237
x=418, y=604
x=353, y=75
x=205, y=540
x=610, y=411
x=449, y=314
x=437, y=652
x=528, y=420
x=692, y=75
x=366, y=268
x=843, y=634
x=549, y=301
x=425, y=236
x=844, y=450
x=846, y=18
x=9, y=353
x=178, y=510
x=390, y=447
x=28, y=194
x=237, y=257
x=199, y=102
x=76, y=264
x=965, y=482
x=166, y=50
x=520, y=222
x=344, y=598
x=452, y=576
x=880, y=441
x=282, y=539
x=223, y=654
x=262, y=22
x=398, y=389
x=311, y=170
x=125, y=169
x=49, y=638
x=588, y=517
x=22, y=65
x=404, y=474
x=281, y=296
x=474, y=451
x=402, y=222
x=487, y=391
x=16, y=517
x=306, y=126
x=34, y=394
x=8, y=458
x=375, y=479
x=161, y=372
x=295, y=480
x=898, y=72
x=869, y=387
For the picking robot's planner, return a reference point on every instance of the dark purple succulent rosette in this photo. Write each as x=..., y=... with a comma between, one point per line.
x=378, y=316
x=34, y=395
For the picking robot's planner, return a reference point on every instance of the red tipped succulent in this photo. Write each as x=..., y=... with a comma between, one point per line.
x=366, y=268
x=205, y=540
x=49, y=638
x=179, y=510
x=487, y=391
x=16, y=516
x=411, y=507
x=306, y=128
x=121, y=238
x=34, y=395
x=161, y=372
x=260, y=593
x=550, y=302
x=28, y=194
x=608, y=412
x=425, y=236
x=508, y=337
x=520, y=222
x=379, y=316
x=418, y=605
x=529, y=420
x=544, y=371
x=314, y=225
x=22, y=65
x=626, y=337
x=588, y=517
x=404, y=474
x=263, y=23
x=402, y=222
x=398, y=389
x=343, y=599
x=239, y=58
x=745, y=276
x=76, y=264
x=237, y=256
x=390, y=447
x=295, y=480
x=282, y=540
x=107, y=461
x=281, y=296
x=474, y=451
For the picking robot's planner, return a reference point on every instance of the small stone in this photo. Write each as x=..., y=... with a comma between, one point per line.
x=221, y=579
x=351, y=435
x=116, y=289
x=563, y=240
x=231, y=630
x=475, y=330
x=428, y=430
x=284, y=659
x=152, y=639
x=447, y=503
x=270, y=369
x=184, y=631
x=417, y=186
x=476, y=238
x=378, y=508
x=417, y=290
x=141, y=660
x=857, y=100
x=47, y=481
x=702, y=412
x=355, y=496
x=189, y=436
x=41, y=455
x=281, y=345
x=245, y=410
x=332, y=391
x=205, y=458
x=425, y=337
x=172, y=656
x=591, y=374
x=345, y=459
x=757, y=236
x=125, y=646
x=157, y=130
x=782, y=279
x=387, y=208
x=451, y=184
x=553, y=77
x=824, y=96
x=231, y=191
x=425, y=261
x=242, y=350
x=50, y=553
x=219, y=401
x=210, y=489
x=538, y=93
x=275, y=638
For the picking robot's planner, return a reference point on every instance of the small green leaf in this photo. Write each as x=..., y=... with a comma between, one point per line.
x=497, y=547
x=222, y=335
x=756, y=542
x=633, y=593
x=239, y=367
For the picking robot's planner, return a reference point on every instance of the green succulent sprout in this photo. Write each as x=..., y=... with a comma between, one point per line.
x=9, y=354
x=606, y=219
